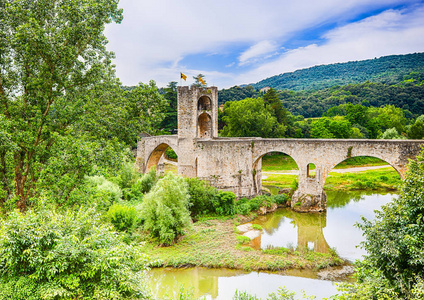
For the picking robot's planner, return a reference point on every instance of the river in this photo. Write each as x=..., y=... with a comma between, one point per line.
x=284, y=228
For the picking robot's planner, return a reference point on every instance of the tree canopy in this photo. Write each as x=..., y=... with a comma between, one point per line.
x=61, y=107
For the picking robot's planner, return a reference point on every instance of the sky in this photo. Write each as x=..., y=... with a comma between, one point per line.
x=235, y=42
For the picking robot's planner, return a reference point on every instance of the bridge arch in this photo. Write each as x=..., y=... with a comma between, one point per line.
x=393, y=166
x=375, y=155
x=156, y=155
x=257, y=168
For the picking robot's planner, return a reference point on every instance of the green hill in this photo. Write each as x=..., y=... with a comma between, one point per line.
x=387, y=70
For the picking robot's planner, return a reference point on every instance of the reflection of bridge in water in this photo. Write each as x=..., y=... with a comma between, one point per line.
x=309, y=229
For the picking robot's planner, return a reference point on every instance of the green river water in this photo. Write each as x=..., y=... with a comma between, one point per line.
x=283, y=228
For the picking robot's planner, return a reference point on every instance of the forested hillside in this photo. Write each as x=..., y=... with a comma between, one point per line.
x=387, y=69
x=406, y=95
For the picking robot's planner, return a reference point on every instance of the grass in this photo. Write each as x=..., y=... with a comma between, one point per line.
x=214, y=244
x=279, y=180
x=278, y=162
x=380, y=179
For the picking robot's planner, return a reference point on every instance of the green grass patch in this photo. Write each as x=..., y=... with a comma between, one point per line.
x=279, y=180
x=380, y=179
x=257, y=227
x=278, y=162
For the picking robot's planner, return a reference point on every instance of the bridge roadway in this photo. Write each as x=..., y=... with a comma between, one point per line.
x=235, y=163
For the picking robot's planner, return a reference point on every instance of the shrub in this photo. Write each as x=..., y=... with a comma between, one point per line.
x=47, y=255
x=280, y=198
x=242, y=208
x=122, y=217
x=223, y=203
x=165, y=209
x=201, y=195
x=105, y=191
x=146, y=182
x=127, y=175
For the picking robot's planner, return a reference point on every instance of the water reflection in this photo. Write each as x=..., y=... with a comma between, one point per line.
x=286, y=228
x=320, y=231
x=222, y=283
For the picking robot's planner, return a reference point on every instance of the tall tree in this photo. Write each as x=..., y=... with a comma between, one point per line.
x=272, y=99
x=170, y=121
x=52, y=54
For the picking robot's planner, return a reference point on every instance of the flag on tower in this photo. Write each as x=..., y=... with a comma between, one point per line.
x=201, y=80
x=183, y=76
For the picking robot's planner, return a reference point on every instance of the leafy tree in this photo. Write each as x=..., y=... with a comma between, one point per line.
x=165, y=209
x=395, y=238
x=416, y=130
x=52, y=52
x=250, y=117
x=47, y=255
x=62, y=111
x=392, y=134
x=170, y=121
x=271, y=98
x=337, y=127
x=201, y=195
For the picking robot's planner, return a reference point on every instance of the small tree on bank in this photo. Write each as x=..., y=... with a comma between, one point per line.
x=165, y=209
x=394, y=241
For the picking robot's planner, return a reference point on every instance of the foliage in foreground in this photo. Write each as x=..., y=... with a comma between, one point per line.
x=165, y=209
x=394, y=265
x=48, y=255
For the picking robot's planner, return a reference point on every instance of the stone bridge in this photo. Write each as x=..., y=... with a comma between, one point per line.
x=234, y=164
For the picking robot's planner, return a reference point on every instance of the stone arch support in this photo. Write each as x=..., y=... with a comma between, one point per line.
x=151, y=149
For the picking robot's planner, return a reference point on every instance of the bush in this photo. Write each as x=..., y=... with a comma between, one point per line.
x=242, y=208
x=47, y=255
x=127, y=175
x=165, y=209
x=279, y=199
x=223, y=203
x=201, y=195
x=146, y=182
x=105, y=191
x=122, y=217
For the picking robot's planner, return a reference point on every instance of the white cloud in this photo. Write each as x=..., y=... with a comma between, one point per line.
x=155, y=36
x=391, y=32
x=257, y=50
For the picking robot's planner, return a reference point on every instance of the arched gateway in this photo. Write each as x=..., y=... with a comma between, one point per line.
x=234, y=164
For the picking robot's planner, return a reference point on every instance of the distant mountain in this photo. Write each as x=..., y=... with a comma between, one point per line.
x=387, y=70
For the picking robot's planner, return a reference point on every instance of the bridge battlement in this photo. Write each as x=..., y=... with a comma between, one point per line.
x=234, y=164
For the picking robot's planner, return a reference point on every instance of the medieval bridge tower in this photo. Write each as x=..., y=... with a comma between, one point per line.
x=234, y=164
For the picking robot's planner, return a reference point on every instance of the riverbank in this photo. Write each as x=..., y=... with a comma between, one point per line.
x=215, y=243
